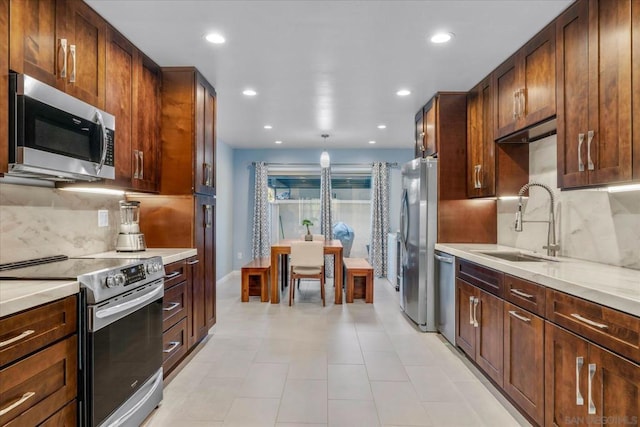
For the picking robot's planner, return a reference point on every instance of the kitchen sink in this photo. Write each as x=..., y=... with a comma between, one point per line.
x=515, y=256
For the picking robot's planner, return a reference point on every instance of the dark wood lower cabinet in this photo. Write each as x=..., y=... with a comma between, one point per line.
x=65, y=417
x=524, y=360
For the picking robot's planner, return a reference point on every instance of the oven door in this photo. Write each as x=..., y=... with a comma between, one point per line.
x=124, y=351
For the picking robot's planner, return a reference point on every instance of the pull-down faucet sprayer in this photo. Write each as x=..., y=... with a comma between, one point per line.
x=552, y=246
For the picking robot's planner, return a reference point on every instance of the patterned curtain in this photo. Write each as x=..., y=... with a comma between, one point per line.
x=326, y=224
x=261, y=244
x=379, y=218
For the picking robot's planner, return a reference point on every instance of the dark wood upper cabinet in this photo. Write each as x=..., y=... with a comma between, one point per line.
x=481, y=160
x=431, y=126
x=635, y=55
x=4, y=85
x=594, y=93
x=419, y=134
x=525, y=86
x=188, y=132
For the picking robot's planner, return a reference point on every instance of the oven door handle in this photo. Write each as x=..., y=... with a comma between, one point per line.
x=137, y=302
x=121, y=420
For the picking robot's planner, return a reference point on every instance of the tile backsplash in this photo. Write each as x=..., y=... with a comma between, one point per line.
x=592, y=225
x=37, y=222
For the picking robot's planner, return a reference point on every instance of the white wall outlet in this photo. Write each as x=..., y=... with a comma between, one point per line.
x=103, y=218
x=239, y=255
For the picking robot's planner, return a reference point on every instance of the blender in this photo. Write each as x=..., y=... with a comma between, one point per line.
x=130, y=239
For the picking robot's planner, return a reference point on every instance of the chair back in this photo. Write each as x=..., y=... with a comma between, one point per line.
x=307, y=254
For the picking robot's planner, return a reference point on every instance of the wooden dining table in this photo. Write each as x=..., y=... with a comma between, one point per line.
x=283, y=247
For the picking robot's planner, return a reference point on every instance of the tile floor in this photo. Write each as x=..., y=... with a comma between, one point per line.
x=346, y=365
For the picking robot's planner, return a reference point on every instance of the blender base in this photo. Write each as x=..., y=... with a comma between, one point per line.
x=133, y=242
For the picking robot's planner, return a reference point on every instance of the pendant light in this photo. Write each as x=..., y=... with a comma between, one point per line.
x=325, y=161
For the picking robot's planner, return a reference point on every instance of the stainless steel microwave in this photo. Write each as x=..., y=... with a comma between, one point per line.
x=55, y=136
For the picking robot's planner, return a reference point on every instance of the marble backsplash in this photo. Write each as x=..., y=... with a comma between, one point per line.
x=592, y=225
x=37, y=222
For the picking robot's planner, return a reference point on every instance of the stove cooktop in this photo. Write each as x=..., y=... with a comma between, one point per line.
x=61, y=268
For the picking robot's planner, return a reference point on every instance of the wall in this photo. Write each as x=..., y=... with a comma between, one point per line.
x=243, y=182
x=592, y=225
x=224, y=209
x=37, y=222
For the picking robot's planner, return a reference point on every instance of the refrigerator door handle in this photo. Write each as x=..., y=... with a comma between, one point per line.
x=443, y=259
x=404, y=219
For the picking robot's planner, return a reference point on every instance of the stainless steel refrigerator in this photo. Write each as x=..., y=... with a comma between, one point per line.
x=418, y=234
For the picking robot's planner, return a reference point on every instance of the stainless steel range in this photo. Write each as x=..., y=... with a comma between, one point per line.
x=121, y=333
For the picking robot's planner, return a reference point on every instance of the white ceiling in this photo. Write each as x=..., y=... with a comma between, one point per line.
x=328, y=66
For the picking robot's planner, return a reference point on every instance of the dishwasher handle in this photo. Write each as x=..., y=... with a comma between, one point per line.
x=443, y=259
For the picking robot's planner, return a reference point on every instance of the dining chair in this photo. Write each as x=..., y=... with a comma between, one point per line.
x=316, y=238
x=307, y=262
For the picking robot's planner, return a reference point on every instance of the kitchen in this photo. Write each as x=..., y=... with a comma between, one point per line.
x=35, y=219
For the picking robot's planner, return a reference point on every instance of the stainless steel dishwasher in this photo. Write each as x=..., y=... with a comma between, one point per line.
x=446, y=295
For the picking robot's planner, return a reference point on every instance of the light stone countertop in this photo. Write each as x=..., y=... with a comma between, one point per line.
x=18, y=295
x=614, y=287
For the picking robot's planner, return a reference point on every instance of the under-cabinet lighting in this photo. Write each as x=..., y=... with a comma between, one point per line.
x=508, y=198
x=96, y=190
x=621, y=188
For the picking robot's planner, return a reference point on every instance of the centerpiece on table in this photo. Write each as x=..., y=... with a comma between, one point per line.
x=308, y=237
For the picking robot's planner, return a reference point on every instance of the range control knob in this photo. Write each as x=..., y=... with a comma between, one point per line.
x=121, y=279
x=154, y=267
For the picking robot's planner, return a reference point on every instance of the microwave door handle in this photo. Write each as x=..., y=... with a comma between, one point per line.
x=103, y=129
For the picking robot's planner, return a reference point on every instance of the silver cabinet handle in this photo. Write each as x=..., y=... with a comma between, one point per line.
x=28, y=395
x=579, y=363
x=63, y=46
x=171, y=306
x=17, y=338
x=443, y=259
x=592, y=372
x=523, y=102
x=476, y=301
x=589, y=321
x=72, y=51
x=135, y=159
x=105, y=139
x=518, y=316
x=471, y=311
x=172, y=275
x=589, y=141
x=478, y=183
x=141, y=157
x=205, y=167
x=193, y=262
x=521, y=294
x=173, y=345
x=208, y=217
x=515, y=104
x=580, y=141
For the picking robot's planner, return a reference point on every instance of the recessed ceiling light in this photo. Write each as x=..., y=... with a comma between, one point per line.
x=215, y=38
x=249, y=92
x=278, y=142
x=372, y=142
x=268, y=127
x=382, y=126
x=403, y=92
x=441, y=37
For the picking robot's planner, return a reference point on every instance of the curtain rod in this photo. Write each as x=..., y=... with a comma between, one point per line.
x=391, y=164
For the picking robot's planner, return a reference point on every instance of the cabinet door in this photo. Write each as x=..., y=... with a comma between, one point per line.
x=565, y=377
x=210, y=266
x=119, y=101
x=418, y=150
x=87, y=42
x=210, y=140
x=203, y=295
x=615, y=387
x=431, y=127
x=609, y=150
x=524, y=360
x=4, y=85
x=37, y=31
x=635, y=54
x=480, y=145
x=465, y=324
x=146, y=144
x=572, y=61
x=505, y=83
x=489, y=338
x=201, y=167
x=539, y=77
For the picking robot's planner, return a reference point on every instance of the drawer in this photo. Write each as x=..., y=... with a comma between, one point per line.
x=174, y=305
x=26, y=332
x=484, y=278
x=40, y=384
x=175, y=273
x=174, y=345
x=612, y=329
x=526, y=294
x=65, y=417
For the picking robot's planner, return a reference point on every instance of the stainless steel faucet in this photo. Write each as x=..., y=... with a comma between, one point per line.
x=552, y=246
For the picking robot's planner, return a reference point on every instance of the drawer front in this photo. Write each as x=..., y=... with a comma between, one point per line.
x=65, y=417
x=174, y=345
x=527, y=295
x=174, y=305
x=175, y=273
x=612, y=329
x=39, y=385
x=482, y=277
x=31, y=330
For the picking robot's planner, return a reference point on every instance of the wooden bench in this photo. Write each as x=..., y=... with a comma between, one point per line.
x=361, y=269
x=255, y=279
